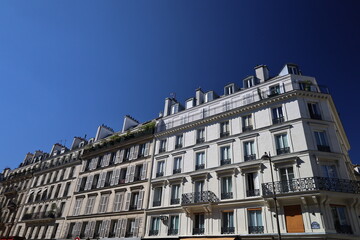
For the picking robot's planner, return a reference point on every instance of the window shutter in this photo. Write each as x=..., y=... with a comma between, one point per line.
x=96, y=160
x=136, y=152
x=66, y=173
x=118, y=228
x=127, y=174
x=122, y=152
x=107, y=160
x=136, y=226
x=256, y=180
x=92, y=229
x=144, y=170
x=127, y=203
x=123, y=228
x=101, y=181
x=117, y=157
x=106, y=228
x=101, y=229
x=118, y=202
x=116, y=174
x=131, y=153
x=88, y=229
x=132, y=173
x=140, y=199
x=106, y=202
x=87, y=184
x=78, y=230
x=147, y=147
x=66, y=230
x=83, y=166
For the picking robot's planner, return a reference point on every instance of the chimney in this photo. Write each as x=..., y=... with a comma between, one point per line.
x=103, y=131
x=199, y=95
x=262, y=73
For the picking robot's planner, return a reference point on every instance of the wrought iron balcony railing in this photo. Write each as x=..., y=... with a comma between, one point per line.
x=323, y=148
x=173, y=232
x=200, y=140
x=224, y=134
x=315, y=116
x=159, y=174
x=284, y=150
x=153, y=232
x=156, y=203
x=177, y=170
x=199, y=166
x=256, y=229
x=198, y=231
x=199, y=197
x=250, y=157
x=162, y=150
x=39, y=215
x=225, y=161
x=175, y=201
x=253, y=193
x=346, y=229
x=227, y=195
x=278, y=120
x=227, y=230
x=312, y=184
x=179, y=145
x=247, y=128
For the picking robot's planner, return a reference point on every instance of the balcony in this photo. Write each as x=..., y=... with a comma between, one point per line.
x=122, y=181
x=227, y=230
x=199, y=197
x=247, y=128
x=253, y=193
x=156, y=203
x=200, y=140
x=225, y=161
x=178, y=170
x=39, y=215
x=153, y=232
x=198, y=231
x=250, y=157
x=312, y=184
x=10, y=191
x=278, y=120
x=162, y=150
x=175, y=201
x=256, y=229
x=273, y=94
x=315, y=116
x=173, y=232
x=284, y=150
x=345, y=229
x=159, y=174
x=224, y=134
x=133, y=207
x=227, y=195
x=199, y=166
x=179, y=145
x=323, y=148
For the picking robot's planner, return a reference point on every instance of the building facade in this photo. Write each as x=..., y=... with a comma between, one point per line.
x=231, y=166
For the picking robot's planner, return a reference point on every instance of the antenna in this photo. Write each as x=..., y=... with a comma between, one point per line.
x=173, y=95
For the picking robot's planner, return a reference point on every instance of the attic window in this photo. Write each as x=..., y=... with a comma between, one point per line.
x=248, y=83
x=293, y=70
x=229, y=90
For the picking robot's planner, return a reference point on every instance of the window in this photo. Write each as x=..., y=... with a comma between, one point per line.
x=138, y=171
x=293, y=70
x=340, y=219
x=143, y=150
x=77, y=207
x=104, y=200
x=277, y=115
x=179, y=141
x=160, y=168
x=130, y=231
x=118, y=201
x=66, y=191
x=199, y=224
x=252, y=181
x=199, y=187
x=155, y=226
x=162, y=147
x=225, y=155
x=200, y=135
x=255, y=221
x=134, y=200
x=274, y=90
x=90, y=205
x=71, y=174
x=249, y=151
x=329, y=171
x=200, y=160
x=228, y=223
x=157, y=197
x=248, y=83
x=173, y=225
x=175, y=194
x=314, y=111
x=321, y=141
x=286, y=177
x=224, y=129
x=177, y=165
x=57, y=192
x=229, y=90
x=247, y=124
x=282, y=145
x=226, y=188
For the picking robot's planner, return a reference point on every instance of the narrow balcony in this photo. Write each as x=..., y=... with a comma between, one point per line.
x=162, y=150
x=159, y=174
x=172, y=232
x=227, y=230
x=253, y=193
x=345, y=229
x=175, y=201
x=323, y=148
x=312, y=184
x=315, y=116
x=200, y=140
x=198, y=231
x=278, y=120
x=224, y=134
x=225, y=161
x=178, y=170
x=199, y=166
x=250, y=157
x=284, y=150
x=39, y=215
x=153, y=232
x=156, y=203
x=227, y=195
x=256, y=229
x=199, y=197
x=179, y=145
x=247, y=128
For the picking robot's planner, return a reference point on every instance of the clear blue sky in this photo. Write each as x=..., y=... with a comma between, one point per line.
x=68, y=66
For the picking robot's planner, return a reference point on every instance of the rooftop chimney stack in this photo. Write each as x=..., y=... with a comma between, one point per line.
x=262, y=73
x=103, y=131
x=129, y=122
x=199, y=95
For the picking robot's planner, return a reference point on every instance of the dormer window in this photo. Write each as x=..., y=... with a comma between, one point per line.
x=175, y=108
x=248, y=83
x=293, y=70
x=229, y=90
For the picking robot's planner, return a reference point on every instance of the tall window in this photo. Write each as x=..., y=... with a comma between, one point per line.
x=321, y=141
x=134, y=200
x=199, y=224
x=179, y=141
x=278, y=116
x=199, y=187
x=224, y=129
x=228, y=223
x=229, y=90
x=90, y=205
x=340, y=219
x=200, y=135
x=248, y=83
x=175, y=194
x=118, y=200
x=249, y=151
x=314, y=111
x=157, y=197
x=287, y=176
x=104, y=200
x=77, y=207
x=160, y=168
x=282, y=145
x=274, y=90
x=226, y=188
x=247, y=124
x=329, y=171
x=155, y=226
x=162, y=147
x=177, y=165
x=200, y=160
x=225, y=155
x=173, y=225
x=255, y=221
x=252, y=181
